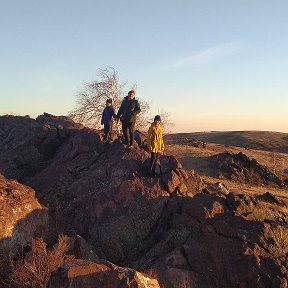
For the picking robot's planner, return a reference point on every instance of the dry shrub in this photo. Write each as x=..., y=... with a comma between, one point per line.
x=155, y=274
x=33, y=271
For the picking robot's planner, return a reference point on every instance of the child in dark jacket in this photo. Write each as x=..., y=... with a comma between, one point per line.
x=107, y=121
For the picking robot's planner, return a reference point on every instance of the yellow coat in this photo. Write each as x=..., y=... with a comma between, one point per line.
x=155, y=138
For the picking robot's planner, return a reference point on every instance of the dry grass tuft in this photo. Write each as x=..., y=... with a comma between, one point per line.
x=155, y=274
x=33, y=271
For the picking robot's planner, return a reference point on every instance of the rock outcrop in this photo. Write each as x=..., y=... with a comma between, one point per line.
x=221, y=241
x=81, y=273
x=100, y=192
x=22, y=217
x=240, y=168
x=161, y=225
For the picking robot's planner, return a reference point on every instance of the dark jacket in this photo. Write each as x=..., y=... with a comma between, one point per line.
x=128, y=110
x=107, y=115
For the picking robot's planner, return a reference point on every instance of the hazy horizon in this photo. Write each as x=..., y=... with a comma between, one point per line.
x=214, y=66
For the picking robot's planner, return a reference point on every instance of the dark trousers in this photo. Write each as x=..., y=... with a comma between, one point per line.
x=128, y=132
x=153, y=162
x=108, y=131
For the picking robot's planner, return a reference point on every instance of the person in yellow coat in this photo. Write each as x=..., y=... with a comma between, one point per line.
x=155, y=143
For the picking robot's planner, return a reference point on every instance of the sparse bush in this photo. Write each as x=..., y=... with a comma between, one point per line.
x=33, y=270
x=155, y=274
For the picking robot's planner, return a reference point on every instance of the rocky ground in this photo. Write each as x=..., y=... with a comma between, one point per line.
x=170, y=227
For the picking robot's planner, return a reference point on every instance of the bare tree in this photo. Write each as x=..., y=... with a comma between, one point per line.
x=166, y=121
x=90, y=101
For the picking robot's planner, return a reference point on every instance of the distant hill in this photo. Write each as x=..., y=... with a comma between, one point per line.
x=260, y=140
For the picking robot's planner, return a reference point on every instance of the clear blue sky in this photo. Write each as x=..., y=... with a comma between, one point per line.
x=214, y=65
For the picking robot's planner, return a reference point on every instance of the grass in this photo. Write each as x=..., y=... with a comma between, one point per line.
x=197, y=159
x=259, y=140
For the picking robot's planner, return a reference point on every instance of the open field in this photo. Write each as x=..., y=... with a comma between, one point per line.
x=198, y=159
x=258, y=140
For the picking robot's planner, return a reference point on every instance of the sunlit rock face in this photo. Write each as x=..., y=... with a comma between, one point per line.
x=81, y=273
x=21, y=217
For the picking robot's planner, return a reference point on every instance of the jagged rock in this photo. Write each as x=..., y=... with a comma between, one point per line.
x=198, y=144
x=217, y=188
x=227, y=241
x=81, y=249
x=269, y=197
x=103, y=193
x=104, y=274
x=240, y=168
x=21, y=218
x=141, y=139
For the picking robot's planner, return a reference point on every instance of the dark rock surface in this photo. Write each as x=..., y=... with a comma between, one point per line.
x=159, y=224
x=227, y=241
x=100, y=192
x=240, y=168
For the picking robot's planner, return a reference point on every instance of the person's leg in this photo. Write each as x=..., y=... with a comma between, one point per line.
x=109, y=135
x=152, y=164
x=131, y=132
x=106, y=130
x=155, y=162
x=125, y=132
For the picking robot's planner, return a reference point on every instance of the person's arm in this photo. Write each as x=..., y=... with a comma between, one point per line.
x=102, y=117
x=137, y=108
x=162, y=142
x=113, y=113
x=149, y=139
x=120, y=111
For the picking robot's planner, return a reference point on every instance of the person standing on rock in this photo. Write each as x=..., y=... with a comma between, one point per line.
x=127, y=114
x=155, y=143
x=107, y=121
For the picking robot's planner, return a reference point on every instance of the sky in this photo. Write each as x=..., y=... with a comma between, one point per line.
x=212, y=65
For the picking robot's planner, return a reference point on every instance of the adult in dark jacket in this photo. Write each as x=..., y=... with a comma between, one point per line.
x=127, y=114
x=107, y=121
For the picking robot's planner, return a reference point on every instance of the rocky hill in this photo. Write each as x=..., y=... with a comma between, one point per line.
x=163, y=225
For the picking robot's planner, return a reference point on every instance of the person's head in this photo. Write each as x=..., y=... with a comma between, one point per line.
x=131, y=94
x=109, y=102
x=157, y=119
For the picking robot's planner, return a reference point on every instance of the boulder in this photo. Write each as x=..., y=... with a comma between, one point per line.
x=217, y=188
x=22, y=218
x=81, y=273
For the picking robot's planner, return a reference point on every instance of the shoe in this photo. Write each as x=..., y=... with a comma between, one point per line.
x=131, y=146
x=105, y=141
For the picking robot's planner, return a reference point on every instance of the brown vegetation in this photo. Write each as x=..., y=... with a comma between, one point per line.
x=198, y=159
x=33, y=270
